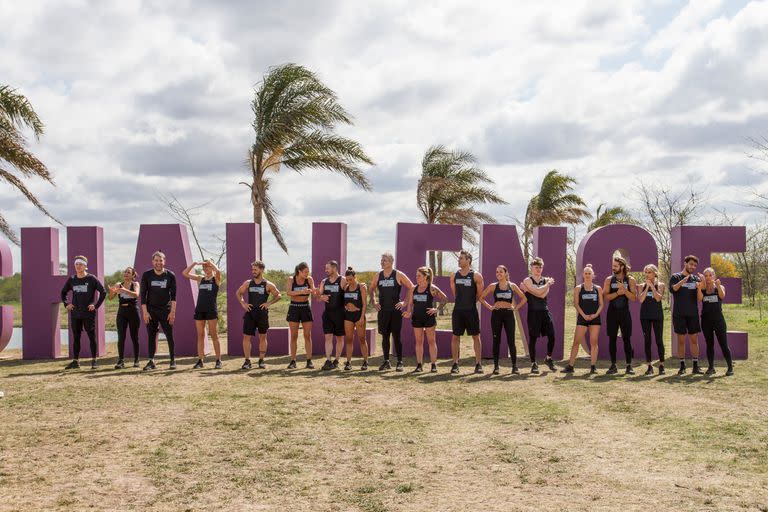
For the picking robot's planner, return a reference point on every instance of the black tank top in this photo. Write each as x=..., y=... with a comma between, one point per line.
x=389, y=290
x=651, y=309
x=422, y=301
x=206, y=295
x=466, y=291
x=127, y=300
x=353, y=297
x=297, y=288
x=711, y=305
x=620, y=302
x=334, y=293
x=500, y=295
x=536, y=303
x=257, y=294
x=589, y=302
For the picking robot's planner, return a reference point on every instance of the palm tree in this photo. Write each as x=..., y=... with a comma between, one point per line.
x=606, y=215
x=294, y=118
x=16, y=113
x=450, y=187
x=555, y=204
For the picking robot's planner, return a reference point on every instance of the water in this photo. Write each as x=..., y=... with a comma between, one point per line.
x=110, y=337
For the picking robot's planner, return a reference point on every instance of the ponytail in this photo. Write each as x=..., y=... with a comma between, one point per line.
x=426, y=272
x=349, y=272
x=301, y=266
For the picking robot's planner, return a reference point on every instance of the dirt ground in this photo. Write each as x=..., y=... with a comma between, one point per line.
x=370, y=441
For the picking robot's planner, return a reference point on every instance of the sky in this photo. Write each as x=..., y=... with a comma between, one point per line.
x=148, y=97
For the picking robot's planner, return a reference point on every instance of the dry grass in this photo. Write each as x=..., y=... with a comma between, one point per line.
x=303, y=440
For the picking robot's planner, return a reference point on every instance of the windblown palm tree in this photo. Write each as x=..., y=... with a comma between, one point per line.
x=555, y=204
x=450, y=187
x=294, y=118
x=606, y=215
x=16, y=113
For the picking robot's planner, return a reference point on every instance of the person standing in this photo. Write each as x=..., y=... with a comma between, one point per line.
x=422, y=311
x=127, y=318
x=503, y=314
x=300, y=287
x=588, y=301
x=206, y=309
x=619, y=289
x=466, y=285
x=536, y=289
x=332, y=293
x=158, y=306
x=650, y=294
x=388, y=283
x=711, y=293
x=355, y=301
x=685, y=311
x=256, y=317
x=82, y=308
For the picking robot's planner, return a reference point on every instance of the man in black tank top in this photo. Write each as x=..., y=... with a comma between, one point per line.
x=256, y=317
x=332, y=293
x=540, y=323
x=618, y=290
x=388, y=283
x=467, y=286
x=685, y=311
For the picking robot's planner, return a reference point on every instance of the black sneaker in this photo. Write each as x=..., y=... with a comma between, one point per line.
x=478, y=368
x=399, y=366
x=696, y=368
x=710, y=371
x=334, y=364
x=120, y=364
x=681, y=371
x=385, y=366
x=198, y=364
x=218, y=364
x=93, y=364
x=261, y=364
x=347, y=366
x=661, y=369
x=612, y=370
x=455, y=368
x=327, y=366
x=310, y=364
x=418, y=368
x=149, y=366
x=246, y=365
x=135, y=363
x=629, y=370
x=535, y=369
x=292, y=365
x=364, y=368
x=649, y=371
x=433, y=368
x=495, y=370
x=593, y=370
x=515, y=370
x=550, y=364
x=568, y=369
x=172, y=366
x=729, y=372
x=74, y=365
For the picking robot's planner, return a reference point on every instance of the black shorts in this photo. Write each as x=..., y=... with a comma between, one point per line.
x=686, y=324
x=540, y=324
x=390, y=321
x=465, y=320
x=353, y=316
x=333, y=322
x=299, y=314
x=255, y=320
x=423, y=321
x=581, y=321
x=206, y=315
x=616, y=319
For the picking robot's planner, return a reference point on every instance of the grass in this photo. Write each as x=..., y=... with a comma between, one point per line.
x=302, y=440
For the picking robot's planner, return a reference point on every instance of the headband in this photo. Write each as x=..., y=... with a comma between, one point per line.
x=81, y=260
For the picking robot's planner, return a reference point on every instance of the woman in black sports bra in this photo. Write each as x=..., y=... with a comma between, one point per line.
x=588, y=301
x=711, y=293
x=127, y=315
x=423, y=310
x=300, y=287
x=355, y=299
x=503, y=314
x=650, y=295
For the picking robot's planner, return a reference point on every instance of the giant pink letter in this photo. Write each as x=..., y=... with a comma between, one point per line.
x=6, y=312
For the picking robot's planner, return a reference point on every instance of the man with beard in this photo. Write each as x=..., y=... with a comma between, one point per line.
x=685, y=311
x=618, y=290
x=256, y=317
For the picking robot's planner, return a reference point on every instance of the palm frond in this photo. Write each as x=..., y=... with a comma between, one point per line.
x=17, y=109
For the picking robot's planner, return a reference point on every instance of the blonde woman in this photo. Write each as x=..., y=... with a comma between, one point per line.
x=711, y=294
x=206, y=309
x=588, y=301
x=503, y=314
x=423, y=310
x=650, y=294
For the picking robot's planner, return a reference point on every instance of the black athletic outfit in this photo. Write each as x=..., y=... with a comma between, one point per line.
x=333, y=314
x=685, y=309
x=127, y=320
x=389, y=318
x=422, y=301
x=713, y=324
x=299, y=312
x=256, y=319
x=539, y=322
x=206, y=307
x=619, y=317
x=652, y=322
x=83, y=293
x=503, y=318
x=355, y=298
x=465, y=317
x=589, y=302
x=157, y=293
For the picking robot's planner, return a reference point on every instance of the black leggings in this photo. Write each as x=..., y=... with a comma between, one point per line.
x=127, y=318
x=398, y=345
x=159, y=317
x=712, y=327
x=79, y=325
x=619, y=319
x=655, y=327
x=503, y=318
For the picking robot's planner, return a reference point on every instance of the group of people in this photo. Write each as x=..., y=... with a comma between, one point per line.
x=346, y=300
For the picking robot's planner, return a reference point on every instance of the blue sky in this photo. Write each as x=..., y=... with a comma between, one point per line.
x=140, y=97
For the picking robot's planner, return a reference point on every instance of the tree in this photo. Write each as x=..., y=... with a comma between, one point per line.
x=294, y=119
x=16, y=114
x=607, y=215
x=449, y=190
x=553, y=205
x=185, y=215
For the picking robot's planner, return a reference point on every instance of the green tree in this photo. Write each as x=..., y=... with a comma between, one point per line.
x=294, y=119
x=16, y=114
x=607, y=215
x=449, y=190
